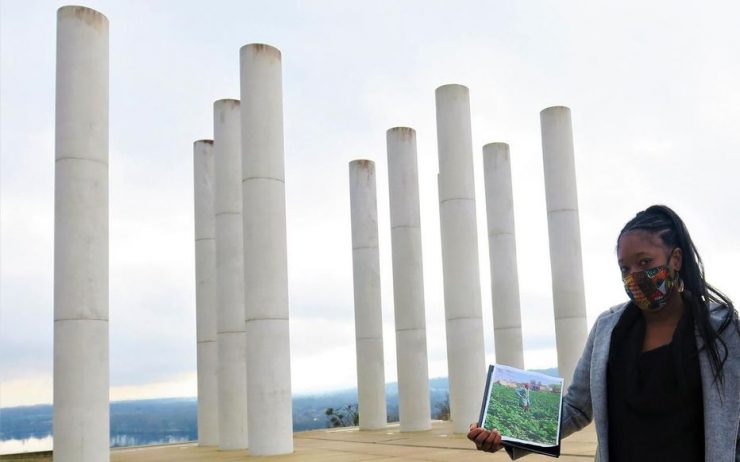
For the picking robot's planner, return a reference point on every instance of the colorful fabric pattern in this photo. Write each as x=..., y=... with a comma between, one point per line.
x=651, y=288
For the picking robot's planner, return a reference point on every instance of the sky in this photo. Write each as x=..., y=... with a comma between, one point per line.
x=655, y=106
x=515, y=375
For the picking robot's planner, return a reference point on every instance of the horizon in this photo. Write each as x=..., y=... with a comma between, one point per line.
x=294, y=395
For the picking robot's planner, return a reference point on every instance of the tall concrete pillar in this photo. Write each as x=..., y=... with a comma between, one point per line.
x=565, y=237
x=408, y=281
x=265, y=252
x=366, y=281
x=81, y=371
x=205, y=293
x=232, y=339
x=461, y=275
x=507, y=319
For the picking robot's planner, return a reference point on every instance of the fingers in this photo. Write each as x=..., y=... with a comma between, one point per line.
x=493, y=442
x=488, y=441
x=475, y=430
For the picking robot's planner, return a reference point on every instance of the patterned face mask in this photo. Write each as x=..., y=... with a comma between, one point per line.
x=650, y=289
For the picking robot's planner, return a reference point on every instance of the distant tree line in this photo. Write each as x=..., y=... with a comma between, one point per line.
x=170, y=420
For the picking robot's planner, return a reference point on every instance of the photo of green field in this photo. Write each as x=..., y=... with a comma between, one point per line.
x=537, y=422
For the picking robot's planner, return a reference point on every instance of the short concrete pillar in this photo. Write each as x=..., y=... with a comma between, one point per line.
x=565, y=238
x=408, y=281
x=81, y=360
x=232, y=339
x=265, y=252
x=366, y=280
x=205, y=293
x=507, y=319
x=465, y=345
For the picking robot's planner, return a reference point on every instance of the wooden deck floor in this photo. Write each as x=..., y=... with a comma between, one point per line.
x=352, y=445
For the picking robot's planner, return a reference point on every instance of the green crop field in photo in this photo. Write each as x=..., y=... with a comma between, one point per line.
x=539, y=424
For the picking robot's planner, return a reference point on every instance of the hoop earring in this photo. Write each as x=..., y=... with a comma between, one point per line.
x=679, y=284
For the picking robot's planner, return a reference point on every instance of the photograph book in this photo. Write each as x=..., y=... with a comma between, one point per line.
x=525, y=408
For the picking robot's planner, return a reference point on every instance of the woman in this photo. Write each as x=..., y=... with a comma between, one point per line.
x=660, y=374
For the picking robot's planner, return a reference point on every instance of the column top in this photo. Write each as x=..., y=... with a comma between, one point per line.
x=362, y=163
x=203, y=141
x=92, y=17
x=555, y=109
x=407, y=131
x=496, y=144
x=452, y=87
x=258, y=48
x=226, y=101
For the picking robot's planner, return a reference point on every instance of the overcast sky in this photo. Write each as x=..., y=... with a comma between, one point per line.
x=653, y=88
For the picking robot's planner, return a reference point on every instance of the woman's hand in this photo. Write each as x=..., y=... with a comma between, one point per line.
x=485, y=440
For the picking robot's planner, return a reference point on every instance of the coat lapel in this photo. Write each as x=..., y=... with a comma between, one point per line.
x=599, y=362
x=721, y=404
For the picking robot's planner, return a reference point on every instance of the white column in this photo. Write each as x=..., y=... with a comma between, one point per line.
x=205, y=293
x=81, y=371
x=465, y=346
x=565, y=237
x=507, y=320
x=265, y=252
x=232, y=339
x=408, y=281
x=366, y=282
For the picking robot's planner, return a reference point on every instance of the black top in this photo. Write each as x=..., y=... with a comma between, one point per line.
x=654, y=398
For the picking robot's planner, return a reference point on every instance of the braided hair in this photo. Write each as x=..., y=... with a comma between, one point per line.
x=666, y=224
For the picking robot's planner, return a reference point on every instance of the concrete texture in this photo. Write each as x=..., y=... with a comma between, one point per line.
x=408, y=281
x=352, y=445
x=231, y=337
x=464, y=322
x=81, y=353
x=507, y=319
x=205, y=293
x=564, y=232
x=265, y=252
x=366, y=283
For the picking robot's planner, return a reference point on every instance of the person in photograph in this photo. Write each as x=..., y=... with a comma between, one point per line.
x=660, y=373
x=522, y=391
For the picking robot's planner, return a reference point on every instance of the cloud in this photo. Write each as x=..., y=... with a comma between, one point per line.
x=177, y=386
x=38, y=389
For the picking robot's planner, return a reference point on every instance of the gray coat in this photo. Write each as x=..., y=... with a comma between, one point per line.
x=586, y=396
